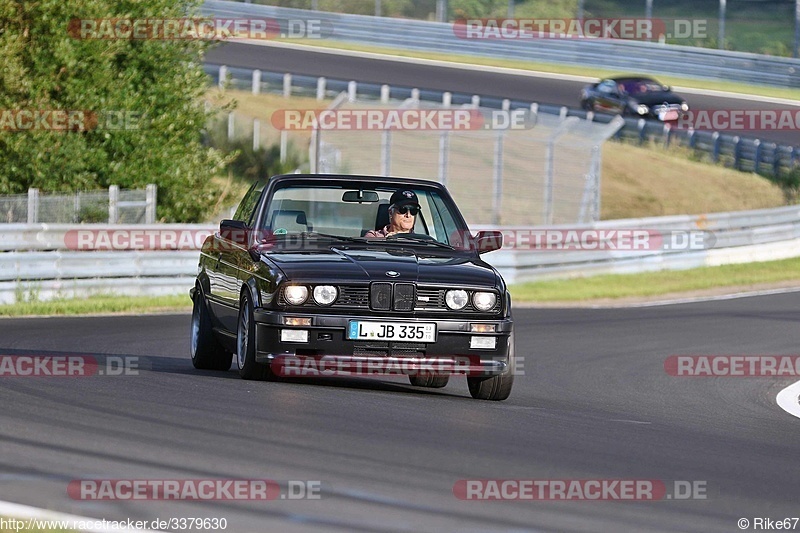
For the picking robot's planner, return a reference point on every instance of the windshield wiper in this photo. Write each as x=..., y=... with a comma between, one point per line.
x=337, y=237
x=420, y=239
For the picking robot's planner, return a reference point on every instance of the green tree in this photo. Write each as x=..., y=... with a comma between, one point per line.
x=157, y=85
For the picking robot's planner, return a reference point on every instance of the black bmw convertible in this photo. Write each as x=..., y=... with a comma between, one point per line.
x=353, y=275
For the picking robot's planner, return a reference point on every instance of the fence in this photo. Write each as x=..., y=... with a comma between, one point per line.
x=746, y=154
x=654, y=58
x=34, y=262
x=115, y=206
x=546, y=173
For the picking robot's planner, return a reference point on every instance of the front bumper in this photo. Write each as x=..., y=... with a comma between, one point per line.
x=329, y=349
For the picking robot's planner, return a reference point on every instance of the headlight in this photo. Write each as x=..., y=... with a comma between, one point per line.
x=483, y=301
x=642, y=109
x=456, y=299
x=295, y=294
x=684, y=106
x=325, y=294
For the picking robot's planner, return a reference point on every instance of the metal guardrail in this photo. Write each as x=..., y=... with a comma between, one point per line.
x=747, y=154
x=611, y=54
x=34, y=264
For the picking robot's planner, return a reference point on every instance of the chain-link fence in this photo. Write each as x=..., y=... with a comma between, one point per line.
x=545, y=173
x=114, y=206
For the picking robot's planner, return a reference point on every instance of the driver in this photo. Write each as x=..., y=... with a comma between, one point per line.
x=403, y=209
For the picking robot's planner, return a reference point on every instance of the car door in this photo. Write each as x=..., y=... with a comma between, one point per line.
x=232, y=249
x=609, y=99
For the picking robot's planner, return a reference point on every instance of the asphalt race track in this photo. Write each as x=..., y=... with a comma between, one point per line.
x=544, y=90
x=595, y=403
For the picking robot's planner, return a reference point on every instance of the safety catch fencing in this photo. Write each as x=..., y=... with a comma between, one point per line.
x=744, y=153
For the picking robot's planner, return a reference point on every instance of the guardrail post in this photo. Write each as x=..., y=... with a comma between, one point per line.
x=256, y=81
x=287, y=85
x=33, y=206
x=549, y=166
x=447, y=99
x=476, y=100
x=351, y=91
x=256, y=134
x=386, y=153
x=444, y=153
x=692, y=138
x=151, y=198
x=497, y=177
x=757, y=156
x=737, y=155
x=535, y=112
x=320, y=88
x=113, y=204
x=313, y=149
x=641, y=127
x=667, y=134
x=284, y=145
x=385, y=89
x=590, y=116
x=562, y=114
x=231, y=124
x=223, y=76
x=717, y=145
x=415, y=94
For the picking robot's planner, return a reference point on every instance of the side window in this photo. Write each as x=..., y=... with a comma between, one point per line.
x=607, y=87
x=247, y=207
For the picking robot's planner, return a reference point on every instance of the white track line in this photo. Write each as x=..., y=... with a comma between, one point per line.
x=789, y=399
x=26, y=512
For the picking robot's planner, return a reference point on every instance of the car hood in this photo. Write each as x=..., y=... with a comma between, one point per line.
x=651, y=99
x=344, y=265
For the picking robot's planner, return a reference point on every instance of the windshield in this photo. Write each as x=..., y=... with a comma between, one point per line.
x=334, y=210
x=635, y=87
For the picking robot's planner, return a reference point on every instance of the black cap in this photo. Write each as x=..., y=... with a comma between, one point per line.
x=403, y=197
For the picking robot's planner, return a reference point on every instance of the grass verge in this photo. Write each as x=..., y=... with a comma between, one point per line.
x=100, y=304
x=649, y=284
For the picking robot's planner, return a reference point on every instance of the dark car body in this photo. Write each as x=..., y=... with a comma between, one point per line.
x=304, y=234
x=633, y=95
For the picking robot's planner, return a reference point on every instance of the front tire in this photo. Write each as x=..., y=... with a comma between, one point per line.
x=495, y=388
x=207, y=353
x=246, y=344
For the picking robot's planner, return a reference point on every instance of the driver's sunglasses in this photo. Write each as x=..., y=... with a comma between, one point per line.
x=408, y=209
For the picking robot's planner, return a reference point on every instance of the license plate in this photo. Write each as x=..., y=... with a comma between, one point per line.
x=391, y=331
x=669, y=115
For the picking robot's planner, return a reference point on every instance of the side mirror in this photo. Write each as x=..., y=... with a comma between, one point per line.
x=235, y=231
x=488, y=241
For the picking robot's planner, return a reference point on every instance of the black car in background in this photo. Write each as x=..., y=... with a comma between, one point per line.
x=633, y=95
x=293, y=281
